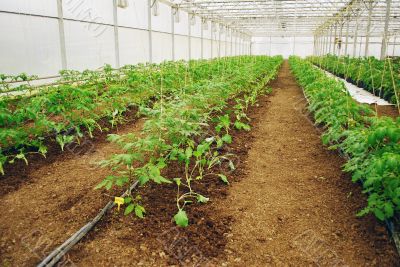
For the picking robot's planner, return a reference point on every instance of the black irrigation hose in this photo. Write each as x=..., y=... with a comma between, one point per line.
x=63, y=249
x=391, y=225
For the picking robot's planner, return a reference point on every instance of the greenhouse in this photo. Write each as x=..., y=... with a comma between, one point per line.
x=200, y=133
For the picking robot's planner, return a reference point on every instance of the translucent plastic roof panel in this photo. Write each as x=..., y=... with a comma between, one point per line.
x=291, y=17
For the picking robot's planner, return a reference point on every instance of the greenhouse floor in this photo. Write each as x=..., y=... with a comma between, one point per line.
x=289, y=203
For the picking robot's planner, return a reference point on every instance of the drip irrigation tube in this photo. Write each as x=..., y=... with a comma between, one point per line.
x=63, y=249
x=393, y=226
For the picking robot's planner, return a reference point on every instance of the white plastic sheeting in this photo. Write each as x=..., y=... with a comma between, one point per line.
x=30, y=36
x=29, y=44
x=285, y=46
x=359, y=94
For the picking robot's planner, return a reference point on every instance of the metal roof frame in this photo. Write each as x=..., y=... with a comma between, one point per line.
x=293, y=17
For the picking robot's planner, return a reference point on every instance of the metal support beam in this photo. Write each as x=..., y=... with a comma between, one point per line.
x=61, y=32
x=270, y=45
x=314, y=45
x=116, y=36
x=327, y=39
x=356, y=35
x=202, y=39
x=385, y=31
x=331, y=42
x=149, y=28
x=231, y=49
x=173, y=33
x=226, y=42
x=368, y=28
x=189, y=37
x=212, y=40
x=347, y=36
x=340, y=44
x=334, y=39
x=219, y=41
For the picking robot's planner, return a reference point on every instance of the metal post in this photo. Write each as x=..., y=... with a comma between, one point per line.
x=356, y=36
x=394, y=46
x=116, y=37
x=330, y=40
x=385, y=32
x=270, y=45
x=234, y=43
x=62, y=35
x=327, y=38
x=319, y=47
x=340, y=44
x=226, y=42
x=173, y=33
x=320, y=44
x=189, y=37
x=219, y=41
x=240, y=44
x=314, y=45
x=347, y=36
x=368, y=28
x=334, y=40
x=202, y=39
x=231, y=49
x=212, y=42
x=150, y=31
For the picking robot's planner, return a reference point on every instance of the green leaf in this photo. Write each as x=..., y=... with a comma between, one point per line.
x=181, y=218
x=240, y=125
x=202, y=199
x=231, y=165
x=102, y=184
x=388, y=207
x=177, y=181
x=227, y=138
x=139, y=210
x=223, y=178
x=379, y=214
x=188, y=152
x=129, y=209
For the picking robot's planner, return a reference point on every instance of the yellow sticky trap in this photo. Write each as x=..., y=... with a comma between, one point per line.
x=119, y=201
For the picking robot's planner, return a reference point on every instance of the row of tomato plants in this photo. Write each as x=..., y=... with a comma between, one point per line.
x=67, y=112
x=372, y=143
x=189, y=128
x=380, y=77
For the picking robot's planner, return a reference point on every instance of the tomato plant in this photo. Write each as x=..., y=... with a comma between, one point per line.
x=372, y=143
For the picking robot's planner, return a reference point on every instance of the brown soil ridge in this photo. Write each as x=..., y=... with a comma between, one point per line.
x=295, y=207
x=55, y=200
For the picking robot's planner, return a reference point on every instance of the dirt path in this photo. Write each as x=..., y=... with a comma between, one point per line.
x=54, y=201
x=295, y=207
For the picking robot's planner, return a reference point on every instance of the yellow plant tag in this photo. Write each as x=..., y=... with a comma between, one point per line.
x=119, y=201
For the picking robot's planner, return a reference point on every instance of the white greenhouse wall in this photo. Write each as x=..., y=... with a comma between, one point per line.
x=29, y=44
x=285, y=46
x=31, y=36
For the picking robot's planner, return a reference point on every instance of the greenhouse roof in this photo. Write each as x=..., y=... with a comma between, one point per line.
x=294, y=17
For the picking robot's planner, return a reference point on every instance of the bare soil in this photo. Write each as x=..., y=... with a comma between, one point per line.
x=289, y=204
x=50, y=199
x=389, y=111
